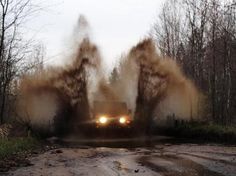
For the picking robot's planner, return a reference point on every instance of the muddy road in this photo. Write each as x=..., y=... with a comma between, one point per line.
x=164, y=159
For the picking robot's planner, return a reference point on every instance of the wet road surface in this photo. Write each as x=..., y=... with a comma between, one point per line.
x=158, y=159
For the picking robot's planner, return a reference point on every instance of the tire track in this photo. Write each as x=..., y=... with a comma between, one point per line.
x=190, y=167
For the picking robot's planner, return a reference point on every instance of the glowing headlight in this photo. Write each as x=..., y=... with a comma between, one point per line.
x=122, y=120
x=103, y=120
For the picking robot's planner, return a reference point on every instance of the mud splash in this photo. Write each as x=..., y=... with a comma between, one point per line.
x=155, y=87
x=57, y=100
x=58, y=95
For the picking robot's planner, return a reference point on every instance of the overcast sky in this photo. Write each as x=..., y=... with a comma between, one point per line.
x=116, y=25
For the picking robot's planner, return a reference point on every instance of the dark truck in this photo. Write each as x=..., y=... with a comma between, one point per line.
x=111, y=114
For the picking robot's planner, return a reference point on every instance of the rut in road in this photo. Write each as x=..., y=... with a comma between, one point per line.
x=158, y=160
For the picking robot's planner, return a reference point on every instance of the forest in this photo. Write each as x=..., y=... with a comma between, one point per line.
x=201, y=36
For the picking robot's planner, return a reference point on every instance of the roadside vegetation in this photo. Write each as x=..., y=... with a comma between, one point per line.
x=14, y=146
x=201, y=132
x=15, y=151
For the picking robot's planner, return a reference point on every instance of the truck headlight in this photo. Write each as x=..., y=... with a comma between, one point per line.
x=122, y=120
x=103, y=120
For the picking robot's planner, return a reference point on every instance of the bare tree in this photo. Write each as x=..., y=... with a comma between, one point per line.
x=167, y=29
x=13, y=49
x=206, y=48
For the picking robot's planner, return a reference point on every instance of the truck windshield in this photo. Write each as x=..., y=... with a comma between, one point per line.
x=110, y=108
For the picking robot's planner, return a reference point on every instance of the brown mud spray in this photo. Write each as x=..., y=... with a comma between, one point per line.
x=56, y=100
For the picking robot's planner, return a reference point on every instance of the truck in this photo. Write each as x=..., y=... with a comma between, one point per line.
x=111, y=114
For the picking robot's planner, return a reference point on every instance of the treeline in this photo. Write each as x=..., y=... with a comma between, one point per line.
x=17, y=53
x=201, y=36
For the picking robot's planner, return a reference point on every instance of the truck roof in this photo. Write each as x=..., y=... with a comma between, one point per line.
x=110, y=107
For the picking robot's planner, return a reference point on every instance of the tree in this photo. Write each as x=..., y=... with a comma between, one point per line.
x=167, y=29
x=114, y=77
x=13, y=49
x=205, y=48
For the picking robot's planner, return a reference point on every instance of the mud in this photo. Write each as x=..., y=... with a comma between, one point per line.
x=56, y=100
x=159, y=159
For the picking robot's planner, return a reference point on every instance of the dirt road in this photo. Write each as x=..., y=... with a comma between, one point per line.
x=161, y=159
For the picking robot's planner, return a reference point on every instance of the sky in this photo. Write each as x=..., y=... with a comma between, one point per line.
x=116, y=25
